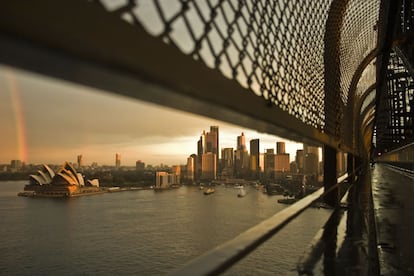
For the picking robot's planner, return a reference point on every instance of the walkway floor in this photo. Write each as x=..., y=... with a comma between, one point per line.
x=393, y=195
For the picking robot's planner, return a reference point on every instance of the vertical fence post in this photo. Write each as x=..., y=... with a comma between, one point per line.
x=350, y=166
x=330, y=177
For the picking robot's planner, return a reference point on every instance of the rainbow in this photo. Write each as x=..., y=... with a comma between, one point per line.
x=18, y=115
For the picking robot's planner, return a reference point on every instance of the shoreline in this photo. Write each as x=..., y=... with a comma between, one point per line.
x=81, y=193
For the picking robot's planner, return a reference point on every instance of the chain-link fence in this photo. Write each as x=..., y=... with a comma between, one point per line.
x=279, y=50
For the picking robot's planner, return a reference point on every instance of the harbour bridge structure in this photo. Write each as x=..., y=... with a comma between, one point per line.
x=331, y=73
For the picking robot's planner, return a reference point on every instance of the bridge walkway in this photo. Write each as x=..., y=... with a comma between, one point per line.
x=394, y=214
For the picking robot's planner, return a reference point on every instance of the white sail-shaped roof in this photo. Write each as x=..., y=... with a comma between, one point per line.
x=49, y=172
x=80, y=179
x=93, y=182
x=44, y=176
x=62, y=178
x=67, y=175
x=36, y=179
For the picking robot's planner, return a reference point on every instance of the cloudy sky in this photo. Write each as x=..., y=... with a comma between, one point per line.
x=45, y=120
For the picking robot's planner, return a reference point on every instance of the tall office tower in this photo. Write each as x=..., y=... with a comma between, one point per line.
x=227, y=163
x=227, y=157
x=80, y=161
x=241, y=163
x=208, y=170
x=176, y=169
x=139, y=166
x=190, y=168
x=254, y=157
x=311, y=149
x=241, y=157
x=269, y=162
x=196, y=170
x=280, y=148
x=282, y=162
x=214, y=132
x=183, y=175
x=311, y=160
x=117, y=160
x=200, y=152
x=294, y=167
x=241, y=142
x=208, y=143
x=300, y=160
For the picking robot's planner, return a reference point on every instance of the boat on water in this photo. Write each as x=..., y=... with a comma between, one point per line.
x=27, y=193
x=209, y=191
x=274, y=189
x=242, y=192
x=287, y=200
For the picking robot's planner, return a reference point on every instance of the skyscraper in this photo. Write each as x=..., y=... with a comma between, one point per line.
x=200, y=152
x=280, y=148
x=214, y=132
x=282, y=159
x=241, y=162
x=227, y=157
x=282, y=162
x=208, y=143
x=208, y=170
x=254, y=157
x=300, y=159
x=269, y=162
x=241, y=142
x=191, y=160
x=176, y=169
x=117, y=160
x=80, y=161
x=227, y=162
x=311, y=160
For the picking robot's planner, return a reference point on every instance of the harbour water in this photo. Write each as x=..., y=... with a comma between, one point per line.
x=142, y=232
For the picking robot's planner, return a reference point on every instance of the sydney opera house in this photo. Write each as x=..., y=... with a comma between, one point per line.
x=64, y=183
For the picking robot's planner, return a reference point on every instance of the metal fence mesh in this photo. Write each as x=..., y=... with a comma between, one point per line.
x=275, y=49
x=395, y=115
x=358, y=39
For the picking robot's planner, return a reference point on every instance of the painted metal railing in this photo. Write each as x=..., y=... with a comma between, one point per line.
x=229, y=253
x=402, y=158
x=310, y=71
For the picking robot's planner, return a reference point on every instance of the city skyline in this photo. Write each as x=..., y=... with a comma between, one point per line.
x=49, y=121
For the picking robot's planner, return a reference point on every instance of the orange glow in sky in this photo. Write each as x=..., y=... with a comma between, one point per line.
x=46, y=120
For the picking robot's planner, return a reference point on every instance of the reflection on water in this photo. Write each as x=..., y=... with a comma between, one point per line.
x=142, y=232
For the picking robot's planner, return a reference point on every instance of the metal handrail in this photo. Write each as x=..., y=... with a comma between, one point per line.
x=229, y=253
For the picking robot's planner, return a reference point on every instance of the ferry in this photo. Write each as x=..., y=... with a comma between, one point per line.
x=209, y=191
x=242, y=192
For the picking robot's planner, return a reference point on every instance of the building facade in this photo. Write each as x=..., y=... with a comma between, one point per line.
x=164, y=180
x=269, y=163
x=208, y=170
x=191, y=160
x=280, y=148
x=282, y=162
x=139, y=166
x=311, y=160
x=254, y=157
x=117, y=160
